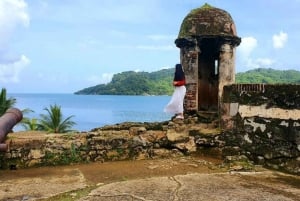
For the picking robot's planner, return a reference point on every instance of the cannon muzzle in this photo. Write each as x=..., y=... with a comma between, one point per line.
x=7, y=121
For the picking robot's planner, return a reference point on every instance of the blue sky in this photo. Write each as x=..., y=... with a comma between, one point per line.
x=61, y=46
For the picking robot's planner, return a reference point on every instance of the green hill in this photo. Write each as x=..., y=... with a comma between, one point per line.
x=160, y=82
x=269, y=76
x=135, y=83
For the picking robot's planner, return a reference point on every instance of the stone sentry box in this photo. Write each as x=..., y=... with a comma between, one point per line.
x=207, y=41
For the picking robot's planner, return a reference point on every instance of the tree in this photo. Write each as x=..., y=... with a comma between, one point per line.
x=31, y=124
x=54, y=122
x=5, y=103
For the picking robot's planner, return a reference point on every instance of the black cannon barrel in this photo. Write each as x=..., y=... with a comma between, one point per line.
x=8, y=120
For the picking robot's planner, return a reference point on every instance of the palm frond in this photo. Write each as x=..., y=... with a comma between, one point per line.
x=5, y=103
x=54, y=122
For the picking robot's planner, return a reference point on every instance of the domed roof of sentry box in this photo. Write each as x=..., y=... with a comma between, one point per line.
x=207, y=21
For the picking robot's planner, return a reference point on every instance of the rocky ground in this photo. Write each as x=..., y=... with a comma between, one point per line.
x=183, y=178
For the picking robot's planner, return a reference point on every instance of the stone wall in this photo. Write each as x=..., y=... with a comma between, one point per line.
x=259, y=123
x=126, y=141
x=116, y=142
x=263, y=122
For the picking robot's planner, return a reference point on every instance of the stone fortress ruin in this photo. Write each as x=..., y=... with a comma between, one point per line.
x=264, y=120
x=256, y=122
x=207, y=41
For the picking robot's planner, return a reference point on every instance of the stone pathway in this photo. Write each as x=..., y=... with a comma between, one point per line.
x=186, y=178
x=197, y=187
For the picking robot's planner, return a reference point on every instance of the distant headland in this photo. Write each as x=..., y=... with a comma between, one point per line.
x=159, y=82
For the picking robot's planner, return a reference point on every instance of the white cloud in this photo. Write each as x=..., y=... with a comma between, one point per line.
x=264, y=61
x=279, y=40
x=103, y=79
x=12, y=14
x=259, y=63
x=248, y=44
x=245, y=51
x=9, y=72
x=165, y=67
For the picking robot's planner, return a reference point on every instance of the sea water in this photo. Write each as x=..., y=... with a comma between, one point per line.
x=93, y=111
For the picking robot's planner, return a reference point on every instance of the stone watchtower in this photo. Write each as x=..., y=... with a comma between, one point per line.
x=207, y=41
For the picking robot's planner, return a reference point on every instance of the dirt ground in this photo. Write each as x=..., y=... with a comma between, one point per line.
x=15, y=184
x=46, y=182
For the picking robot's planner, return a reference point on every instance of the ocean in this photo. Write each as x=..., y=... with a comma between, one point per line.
x=93, y=111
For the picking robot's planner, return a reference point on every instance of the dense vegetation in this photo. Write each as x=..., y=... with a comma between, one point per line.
x=135, y=83
x=159, y=82
x=269, y=76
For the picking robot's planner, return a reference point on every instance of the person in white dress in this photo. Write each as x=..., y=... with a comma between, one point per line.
x=175, y=106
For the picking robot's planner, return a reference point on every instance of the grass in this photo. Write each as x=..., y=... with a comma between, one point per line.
x=71, y=195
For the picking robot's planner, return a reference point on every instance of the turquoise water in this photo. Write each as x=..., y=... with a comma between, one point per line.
x=93, y=111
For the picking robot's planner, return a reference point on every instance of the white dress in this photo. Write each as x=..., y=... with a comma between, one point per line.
x=175, y=105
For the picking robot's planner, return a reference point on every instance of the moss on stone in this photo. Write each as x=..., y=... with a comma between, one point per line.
x=206, y=21
x=196, y=10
